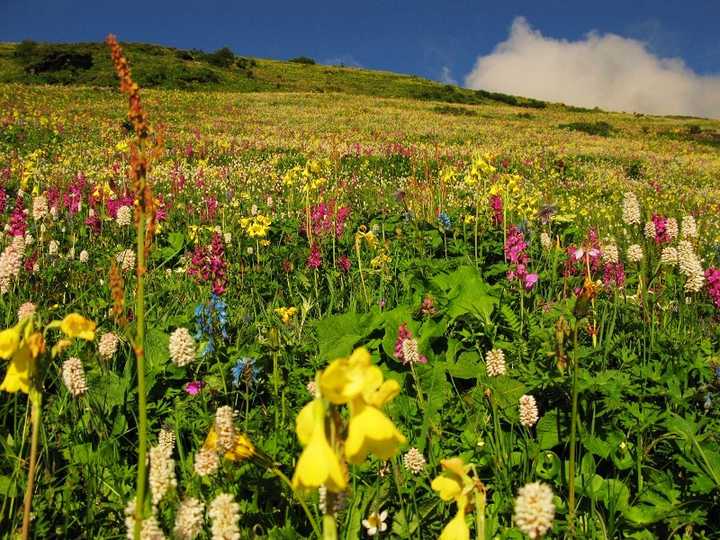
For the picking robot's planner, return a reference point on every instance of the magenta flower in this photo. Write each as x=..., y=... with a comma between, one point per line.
x=315, y=258
x=496, y=205
x=193, y=388
x=712, y=275
x=344, y=263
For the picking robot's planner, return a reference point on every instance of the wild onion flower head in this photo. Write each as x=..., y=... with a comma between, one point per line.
x=107, y=347
x=224, y=514
x=495, y=363
x=414, y=461
x=193, y=387
x=406, y=347
x=73, y=375
x=631, y=209
x=26, y=310
x=528, y=411
x=245, y=371
x=189, y=519
x=181, y=347
x=635, y=253
x=534, y=509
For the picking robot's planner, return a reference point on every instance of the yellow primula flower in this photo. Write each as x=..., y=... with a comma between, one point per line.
x=454, y=482
x=19, y=371
x=356, y=381
x=318, y=464
x=457, y=528
x=22, y=362
x=77, y=326
x=9, y=341
x=370, y=432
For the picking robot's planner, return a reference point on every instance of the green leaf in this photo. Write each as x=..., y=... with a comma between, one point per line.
x=467, y=366
x=547, y=430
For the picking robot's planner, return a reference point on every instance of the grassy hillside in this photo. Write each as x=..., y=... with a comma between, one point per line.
x=154, y=66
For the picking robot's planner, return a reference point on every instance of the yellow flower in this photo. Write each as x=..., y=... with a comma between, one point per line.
x=9, y=341
x=356, y=381
x=286, y=313
x=457, y=528
x=454, y=482
x=77, y=326
x=318, y=464
x=241, y=450
x=370, y=431
x=19, y=371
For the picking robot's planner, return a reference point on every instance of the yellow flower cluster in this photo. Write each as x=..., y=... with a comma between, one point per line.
x=256, y=226
x=479, y=169
x=22, y=345
x=286, y=313
x=357, y=383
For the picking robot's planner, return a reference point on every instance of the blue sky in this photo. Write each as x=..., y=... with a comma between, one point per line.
x=426, y=38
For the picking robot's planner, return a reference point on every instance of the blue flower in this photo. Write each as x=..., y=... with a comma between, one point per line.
x=243, y=367
x=444, y=220
x=211, y=322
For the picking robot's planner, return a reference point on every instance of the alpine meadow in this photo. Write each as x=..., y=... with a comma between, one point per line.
x=260, y=299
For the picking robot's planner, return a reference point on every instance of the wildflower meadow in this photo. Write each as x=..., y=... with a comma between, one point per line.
x=303, y=315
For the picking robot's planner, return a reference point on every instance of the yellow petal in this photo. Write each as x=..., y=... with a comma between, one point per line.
x=19, y=371
x=384, y=394
x=241, y=450
x=77, y=326
x=454, y=465
x=448, y=488
x=9, y=342
x=457, y=528
x=370, y=431
x=319, y=464
x=305, y=423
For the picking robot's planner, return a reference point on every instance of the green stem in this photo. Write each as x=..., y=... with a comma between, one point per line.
x=277, y=472
x=36, y=403
x=329, y=527
x=480, y=498
x=139, y=347
x=573, y=435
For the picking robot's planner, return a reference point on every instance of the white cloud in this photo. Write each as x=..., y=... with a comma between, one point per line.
x=608, y=71
x=446, y=76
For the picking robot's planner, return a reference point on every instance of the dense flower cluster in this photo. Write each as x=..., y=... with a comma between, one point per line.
x=208, y=264
x=516, y=254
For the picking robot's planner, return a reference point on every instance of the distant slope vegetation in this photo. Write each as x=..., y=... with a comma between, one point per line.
x=154, y=66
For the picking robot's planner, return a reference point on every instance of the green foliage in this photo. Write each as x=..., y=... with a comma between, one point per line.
x=600, y=128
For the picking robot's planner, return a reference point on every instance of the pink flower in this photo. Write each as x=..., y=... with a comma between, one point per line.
x=496, y=205
x=712, y=275
x=344, y=263
x=530, y=281
x=315, y=258
x=18, y=222
x=193, y=388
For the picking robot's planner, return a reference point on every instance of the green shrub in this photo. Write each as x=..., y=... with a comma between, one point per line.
x=222, y=58
x=601, y=129
x=303, y=60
